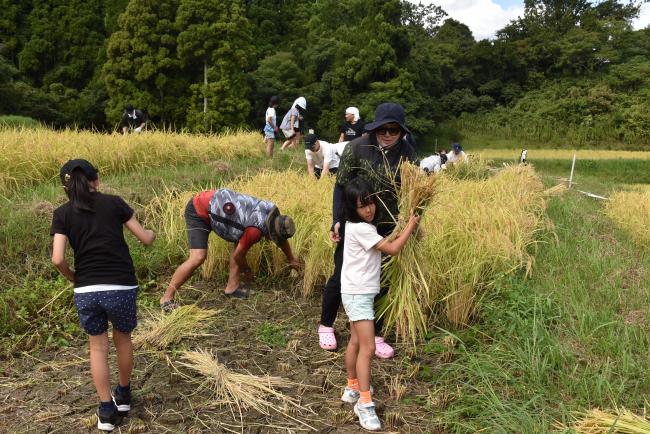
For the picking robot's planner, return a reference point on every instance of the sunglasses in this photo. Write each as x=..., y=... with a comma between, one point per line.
x=392, y=131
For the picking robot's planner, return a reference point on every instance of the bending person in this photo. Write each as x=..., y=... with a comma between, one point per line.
x=235, y=217
x=133, y=119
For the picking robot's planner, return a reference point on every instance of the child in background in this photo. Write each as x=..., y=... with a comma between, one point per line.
x=359, y=286
x=270, y=125
x=105, y=286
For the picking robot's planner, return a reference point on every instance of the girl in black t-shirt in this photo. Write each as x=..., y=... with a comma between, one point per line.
x=105, y=285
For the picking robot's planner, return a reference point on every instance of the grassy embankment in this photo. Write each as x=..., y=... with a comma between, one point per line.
x=573, y=336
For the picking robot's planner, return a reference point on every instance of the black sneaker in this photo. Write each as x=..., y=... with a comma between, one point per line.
x=122, y=400
x=106, y=419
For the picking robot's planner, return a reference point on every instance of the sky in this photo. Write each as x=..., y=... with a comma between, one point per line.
x=485, y=17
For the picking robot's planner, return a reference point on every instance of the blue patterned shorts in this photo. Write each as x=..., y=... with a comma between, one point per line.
x=95, y=309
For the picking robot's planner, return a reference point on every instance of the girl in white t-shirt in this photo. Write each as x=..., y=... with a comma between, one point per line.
x=270, y=125
x=359, y=286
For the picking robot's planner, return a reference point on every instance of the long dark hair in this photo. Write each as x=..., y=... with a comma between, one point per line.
x=356, y=189
x=78, y=190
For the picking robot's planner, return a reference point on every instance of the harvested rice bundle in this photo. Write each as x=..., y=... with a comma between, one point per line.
x=474, y=167
x=556, y=190
x=620, y=421
x=403, y=273
x=243, y=391
x=471, y=233
x=163, y=330
x=630, y=211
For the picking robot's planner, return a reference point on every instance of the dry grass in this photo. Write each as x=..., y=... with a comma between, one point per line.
x=563, y=154
x=28, y=157
x=239, y=391
x=631, y=212
x=473, y=232
x=162, y=330
x=619, y=421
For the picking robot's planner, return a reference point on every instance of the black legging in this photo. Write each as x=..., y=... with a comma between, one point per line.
x=332, y=291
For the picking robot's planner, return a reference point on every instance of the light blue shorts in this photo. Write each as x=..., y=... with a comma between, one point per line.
x=359, y=307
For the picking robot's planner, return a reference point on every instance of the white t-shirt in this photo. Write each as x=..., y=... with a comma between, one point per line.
x=452, y=158
x=270, y=113
x=361, y=262
x=326, y=153
x=340, y=147
x=432, y=163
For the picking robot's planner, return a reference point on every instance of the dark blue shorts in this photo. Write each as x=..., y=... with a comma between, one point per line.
x=95, y=309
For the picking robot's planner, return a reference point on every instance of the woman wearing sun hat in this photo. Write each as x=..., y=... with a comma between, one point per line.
x=375, y=158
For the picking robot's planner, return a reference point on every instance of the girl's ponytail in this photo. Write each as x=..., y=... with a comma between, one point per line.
x=77, y=187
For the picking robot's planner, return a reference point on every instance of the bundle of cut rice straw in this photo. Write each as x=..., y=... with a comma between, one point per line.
x=243, y=391
x=162, y=330
x=620, y=421
x=471, y=233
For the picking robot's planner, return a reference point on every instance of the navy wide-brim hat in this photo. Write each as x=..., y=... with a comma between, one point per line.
x=386, y=113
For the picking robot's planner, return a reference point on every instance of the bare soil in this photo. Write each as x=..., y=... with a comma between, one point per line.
x=52, y=391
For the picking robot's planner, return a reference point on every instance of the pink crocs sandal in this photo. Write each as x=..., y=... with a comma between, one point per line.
x=326, y=338
x=382, y=349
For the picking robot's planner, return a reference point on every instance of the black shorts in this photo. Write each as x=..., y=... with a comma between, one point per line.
x=198, y=230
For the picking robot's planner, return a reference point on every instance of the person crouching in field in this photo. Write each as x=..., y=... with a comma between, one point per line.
x=359, y=286
x=322, y=157
x=237, y=218
x=105, y=285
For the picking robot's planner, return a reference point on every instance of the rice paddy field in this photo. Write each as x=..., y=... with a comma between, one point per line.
x=520, y=307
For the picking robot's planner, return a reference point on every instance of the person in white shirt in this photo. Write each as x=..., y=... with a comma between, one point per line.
x=433, y=163
x=456, y=154
x=322, y=157
x=270, y=125
x=523, y=157
x=360, y=282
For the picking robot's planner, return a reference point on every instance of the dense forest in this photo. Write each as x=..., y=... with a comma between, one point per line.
x=208, y=65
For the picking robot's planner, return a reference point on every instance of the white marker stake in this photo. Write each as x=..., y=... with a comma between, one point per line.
x=573, y=165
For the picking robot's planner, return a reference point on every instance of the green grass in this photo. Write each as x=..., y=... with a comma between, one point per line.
x=14, y=121
x=572, y=337
x=559, y=342
x=271, y=335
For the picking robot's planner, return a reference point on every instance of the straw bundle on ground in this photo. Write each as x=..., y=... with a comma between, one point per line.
x=162, y=330
x=472, y=232
x=307, y=201
x=32, y=156
x=243, y=391
x=619, y=421
x=630, y=211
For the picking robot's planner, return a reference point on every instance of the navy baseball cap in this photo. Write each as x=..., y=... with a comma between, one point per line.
x=310, y=141
x=386, y=113
x=456, y=146
x=88, y=169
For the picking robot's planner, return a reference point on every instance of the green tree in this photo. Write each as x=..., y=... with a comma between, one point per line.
x=215, y=41
x=142, y=67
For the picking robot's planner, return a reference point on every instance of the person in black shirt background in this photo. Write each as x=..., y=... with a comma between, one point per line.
x=133, y=119
x=353, y=126
x=105, y=285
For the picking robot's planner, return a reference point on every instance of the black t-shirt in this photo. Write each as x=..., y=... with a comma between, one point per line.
x=352, y=131
x=101, y=255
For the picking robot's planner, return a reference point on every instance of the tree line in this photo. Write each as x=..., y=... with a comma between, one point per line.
x=211, y=65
